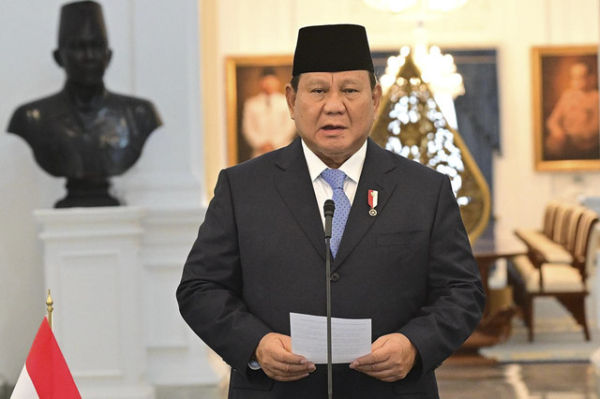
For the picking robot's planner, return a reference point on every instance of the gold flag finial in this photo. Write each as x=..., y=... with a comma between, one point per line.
x=49, y=308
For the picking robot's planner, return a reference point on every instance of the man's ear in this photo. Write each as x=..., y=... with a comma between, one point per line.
x=290, y=97
x=57, y=57
x=377, y=93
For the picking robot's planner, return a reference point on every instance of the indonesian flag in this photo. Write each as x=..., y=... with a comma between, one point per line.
x=45, y=374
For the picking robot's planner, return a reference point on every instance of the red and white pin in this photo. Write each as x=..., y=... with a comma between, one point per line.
x=372, y=202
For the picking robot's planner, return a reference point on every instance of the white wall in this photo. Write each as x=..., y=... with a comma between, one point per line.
x=511, y=26
x=156, y=56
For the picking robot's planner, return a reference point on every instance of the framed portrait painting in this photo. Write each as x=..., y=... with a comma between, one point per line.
x=566, y=108
x=258, y=119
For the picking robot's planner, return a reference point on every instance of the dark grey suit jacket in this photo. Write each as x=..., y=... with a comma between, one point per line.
x=259, y=255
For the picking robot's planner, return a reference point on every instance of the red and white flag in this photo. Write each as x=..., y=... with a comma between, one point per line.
x=45, y=374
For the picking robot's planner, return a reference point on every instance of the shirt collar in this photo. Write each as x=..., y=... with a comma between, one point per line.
x=352, y=167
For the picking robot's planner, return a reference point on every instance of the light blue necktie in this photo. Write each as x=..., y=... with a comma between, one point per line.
x=335, y=178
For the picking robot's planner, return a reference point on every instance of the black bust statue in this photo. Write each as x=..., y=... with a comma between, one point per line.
x=84, y=132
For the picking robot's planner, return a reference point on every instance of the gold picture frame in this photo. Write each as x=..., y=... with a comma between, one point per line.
x=242, y=82
x=565, y=108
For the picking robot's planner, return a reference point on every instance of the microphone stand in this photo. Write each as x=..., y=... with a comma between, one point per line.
x=328, y=209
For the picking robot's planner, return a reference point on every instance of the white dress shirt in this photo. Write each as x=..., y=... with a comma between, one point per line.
x=352, y=168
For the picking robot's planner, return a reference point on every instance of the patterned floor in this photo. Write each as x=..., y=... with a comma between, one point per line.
x=520, y=381
x=502, y=381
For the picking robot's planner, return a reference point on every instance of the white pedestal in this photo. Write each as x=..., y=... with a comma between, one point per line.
x=176, y=356
x=92, y=266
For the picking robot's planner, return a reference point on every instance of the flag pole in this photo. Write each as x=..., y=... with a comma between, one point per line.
x=49, y=308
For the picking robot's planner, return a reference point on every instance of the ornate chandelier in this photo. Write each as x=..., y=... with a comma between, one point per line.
x=417, y=118
x=437, y=70
x=410, y=123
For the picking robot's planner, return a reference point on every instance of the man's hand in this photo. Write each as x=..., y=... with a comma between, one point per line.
x=274, y=354
x=391, y=359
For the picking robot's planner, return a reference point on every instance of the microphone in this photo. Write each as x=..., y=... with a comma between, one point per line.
x=328, y=209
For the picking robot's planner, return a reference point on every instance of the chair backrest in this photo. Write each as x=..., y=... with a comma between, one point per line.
x=549, y=216
x=572, y=225
x=593, y=249
x=584, y=231
x=561, y=222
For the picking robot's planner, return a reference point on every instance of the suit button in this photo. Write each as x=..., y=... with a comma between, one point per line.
x=335, y=277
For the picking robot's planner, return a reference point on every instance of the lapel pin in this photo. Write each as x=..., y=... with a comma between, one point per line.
x=372, y=198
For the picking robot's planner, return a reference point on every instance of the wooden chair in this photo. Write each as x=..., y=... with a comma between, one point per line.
x=548, y=245
x=567, y=282
x=549, y=217
x=547, y=227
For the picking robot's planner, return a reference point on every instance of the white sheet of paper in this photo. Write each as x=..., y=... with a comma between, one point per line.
x=350, y=338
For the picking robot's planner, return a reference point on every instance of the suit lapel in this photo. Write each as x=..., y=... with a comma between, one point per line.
x=297, y=192
x=373, y=177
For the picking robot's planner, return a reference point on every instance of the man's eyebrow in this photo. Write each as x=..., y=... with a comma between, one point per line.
x=350, y=81
x=313, y=81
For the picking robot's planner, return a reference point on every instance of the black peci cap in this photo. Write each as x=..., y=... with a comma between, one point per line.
x=75, y=15
x=332, y=48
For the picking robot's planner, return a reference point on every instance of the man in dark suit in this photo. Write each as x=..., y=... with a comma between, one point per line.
x=405, y=262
